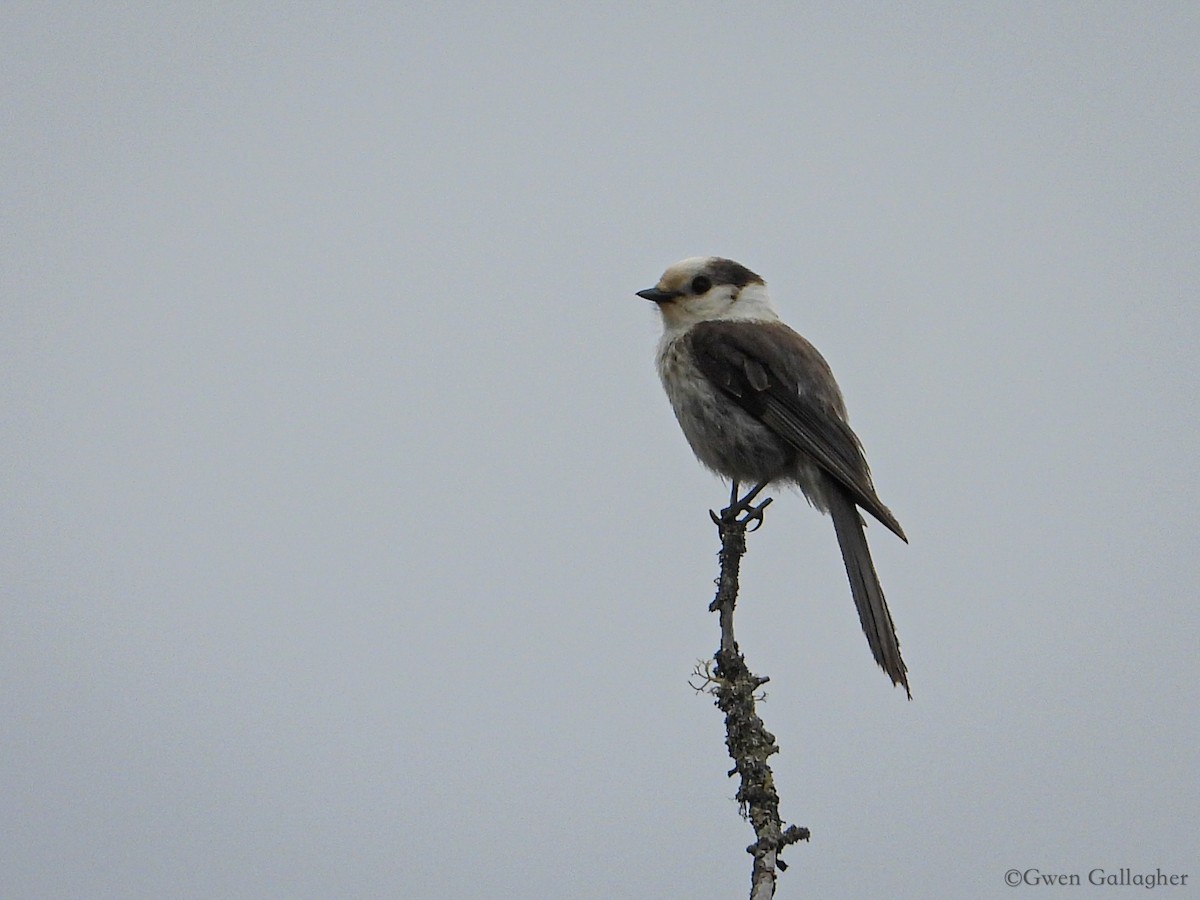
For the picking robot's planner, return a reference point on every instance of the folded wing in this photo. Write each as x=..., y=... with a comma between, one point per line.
x=779, y=378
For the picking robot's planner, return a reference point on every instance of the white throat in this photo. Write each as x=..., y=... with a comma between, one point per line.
x=753, y=304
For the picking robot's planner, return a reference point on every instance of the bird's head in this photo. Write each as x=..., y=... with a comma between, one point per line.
x=704, y=288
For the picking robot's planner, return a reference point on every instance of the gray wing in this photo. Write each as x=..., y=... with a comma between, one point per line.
x=779, y=378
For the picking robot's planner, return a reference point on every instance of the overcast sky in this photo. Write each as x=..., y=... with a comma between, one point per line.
x=349, y=546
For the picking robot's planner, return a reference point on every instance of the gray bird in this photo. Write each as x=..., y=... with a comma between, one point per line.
x=758, y=404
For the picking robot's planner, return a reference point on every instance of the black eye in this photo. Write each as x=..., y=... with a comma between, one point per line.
x=701, y=284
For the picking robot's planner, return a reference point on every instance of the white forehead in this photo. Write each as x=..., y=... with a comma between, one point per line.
x=680, y=273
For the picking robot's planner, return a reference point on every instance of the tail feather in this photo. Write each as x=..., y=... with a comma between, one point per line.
x=864, y=585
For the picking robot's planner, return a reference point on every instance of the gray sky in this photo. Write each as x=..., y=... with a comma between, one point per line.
x=350, y=548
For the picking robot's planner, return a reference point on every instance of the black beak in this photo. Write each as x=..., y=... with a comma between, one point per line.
x=659, y=296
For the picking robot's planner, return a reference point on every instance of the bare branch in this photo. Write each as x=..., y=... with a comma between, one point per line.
x=748, y=741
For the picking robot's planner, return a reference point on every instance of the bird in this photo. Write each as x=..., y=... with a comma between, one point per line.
x=759, y=405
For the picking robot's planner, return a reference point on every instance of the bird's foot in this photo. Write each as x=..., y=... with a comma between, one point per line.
x=742, y=511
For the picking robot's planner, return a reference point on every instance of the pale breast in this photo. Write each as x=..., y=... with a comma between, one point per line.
x=724, y=437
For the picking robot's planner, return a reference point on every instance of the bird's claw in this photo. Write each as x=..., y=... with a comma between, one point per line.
x=755, y=514
x=743, y=513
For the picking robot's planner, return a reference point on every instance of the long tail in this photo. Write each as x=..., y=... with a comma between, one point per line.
x=864, y=585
